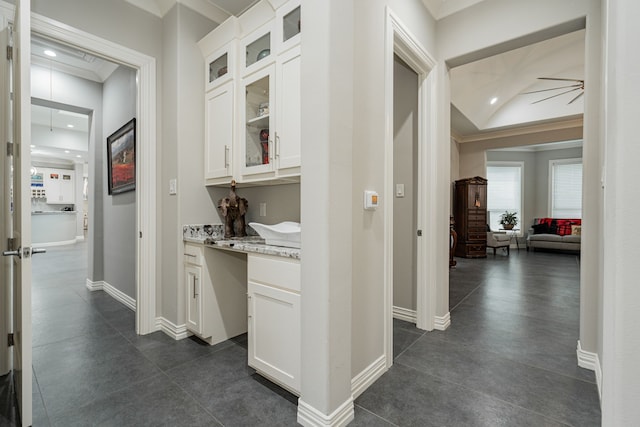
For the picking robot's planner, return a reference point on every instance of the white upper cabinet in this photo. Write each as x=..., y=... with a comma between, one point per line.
x=219, y=132
x=252, y=97
x=59, y=186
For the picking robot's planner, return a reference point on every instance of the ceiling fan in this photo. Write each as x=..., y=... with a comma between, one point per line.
x=578, y=85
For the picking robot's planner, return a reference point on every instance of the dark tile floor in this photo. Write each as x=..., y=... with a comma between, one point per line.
x=507, y=359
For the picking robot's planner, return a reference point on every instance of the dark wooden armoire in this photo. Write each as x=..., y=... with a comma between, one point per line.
x=470, y=215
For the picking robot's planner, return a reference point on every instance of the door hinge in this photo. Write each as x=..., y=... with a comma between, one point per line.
x=11, y=243
x=9, y=53
x=141, y=234
x=10, y=340
x=9, y=148
x=419, y=233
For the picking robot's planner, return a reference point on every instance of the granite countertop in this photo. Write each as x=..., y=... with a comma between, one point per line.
x=212, y=236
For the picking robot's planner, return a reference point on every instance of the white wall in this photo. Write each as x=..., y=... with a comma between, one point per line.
x=183, y=136
x=620, y=304
x=369, y=128
x=119, y=210
x=405, y=171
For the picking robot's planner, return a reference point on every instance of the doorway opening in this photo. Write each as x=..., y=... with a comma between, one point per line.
x=402, y=45
x=143, y=85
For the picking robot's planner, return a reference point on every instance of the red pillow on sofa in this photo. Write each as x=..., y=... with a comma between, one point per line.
x=561, y=227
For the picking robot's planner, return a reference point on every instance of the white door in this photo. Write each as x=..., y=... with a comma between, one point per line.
x=20, y=206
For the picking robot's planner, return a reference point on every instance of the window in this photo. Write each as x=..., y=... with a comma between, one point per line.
x=565, y=188
x=504, y=191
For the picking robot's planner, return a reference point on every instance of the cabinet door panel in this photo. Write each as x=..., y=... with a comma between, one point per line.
x=193, y=290
x=274, y=334
x=288, y=128
x=219, y=133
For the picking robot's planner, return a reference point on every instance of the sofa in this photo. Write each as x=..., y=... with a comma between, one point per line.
x=555, y=233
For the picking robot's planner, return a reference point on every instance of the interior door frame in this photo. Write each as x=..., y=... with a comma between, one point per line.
x=400, y=41
x=5, y=275
x=146, y=159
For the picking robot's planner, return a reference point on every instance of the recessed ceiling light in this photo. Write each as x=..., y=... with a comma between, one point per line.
x=78, y=156
x=493, y=100
x=69, y=126
x=67, y=151
x=50, y=53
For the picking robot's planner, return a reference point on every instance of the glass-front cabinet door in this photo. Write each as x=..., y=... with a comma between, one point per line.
x=257, y=49
x=257, y=122
x=288, y=26
x=219, y=66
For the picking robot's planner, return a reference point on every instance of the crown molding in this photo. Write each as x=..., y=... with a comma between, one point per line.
x=520, y=130
x=160, y=8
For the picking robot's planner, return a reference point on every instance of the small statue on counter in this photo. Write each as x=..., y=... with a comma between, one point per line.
x=233, y=209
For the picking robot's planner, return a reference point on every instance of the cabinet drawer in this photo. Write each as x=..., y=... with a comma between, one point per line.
x=193, y=254
x=477, y=236
x=477, y=217
x=476, y=249
x=274, y=271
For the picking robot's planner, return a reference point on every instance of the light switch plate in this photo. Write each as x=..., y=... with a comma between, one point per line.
x=173, y=186
x=263, y=209
x=399, y=190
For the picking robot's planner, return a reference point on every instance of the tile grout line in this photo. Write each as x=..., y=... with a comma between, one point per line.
x=375, y=415
x=473, y=390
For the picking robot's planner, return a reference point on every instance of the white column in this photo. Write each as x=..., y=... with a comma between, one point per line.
x=326, y=200
x=620, y=290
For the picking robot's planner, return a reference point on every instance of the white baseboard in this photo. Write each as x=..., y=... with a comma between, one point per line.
x=368, y=376
x=311, y=417
x=441, y=323
x=591, y=361
x=405, y=314
x=177, y=332
x=117, y=294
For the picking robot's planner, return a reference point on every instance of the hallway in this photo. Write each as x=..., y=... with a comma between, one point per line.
x=507, y=359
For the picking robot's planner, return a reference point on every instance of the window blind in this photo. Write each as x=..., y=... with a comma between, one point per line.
x=504, y=192
x=566, y=190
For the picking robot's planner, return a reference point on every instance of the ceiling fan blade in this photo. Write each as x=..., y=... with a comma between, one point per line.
x=558, y=94
x=562, y=80
x=553, y=88
x=576, y=98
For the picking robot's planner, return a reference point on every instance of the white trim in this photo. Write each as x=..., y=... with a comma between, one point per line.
x=405, y=314
x=94, y=286
x=146, y=169
x=441, y=323
x=116, y=293
x=311, y=417
x=591, y=361
x=520, y=130
x=368, y=376
x=79, y=239
x=177, y=332
x=399, y=40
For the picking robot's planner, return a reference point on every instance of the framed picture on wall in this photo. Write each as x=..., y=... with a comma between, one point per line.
x=121, y=159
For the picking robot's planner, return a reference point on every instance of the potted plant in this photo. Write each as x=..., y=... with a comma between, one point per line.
x=508, y=220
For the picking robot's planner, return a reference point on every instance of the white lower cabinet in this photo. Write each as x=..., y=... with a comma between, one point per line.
x=274, y=318
x=215, y=284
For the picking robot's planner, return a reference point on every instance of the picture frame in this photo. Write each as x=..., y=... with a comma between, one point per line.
x=121, y=159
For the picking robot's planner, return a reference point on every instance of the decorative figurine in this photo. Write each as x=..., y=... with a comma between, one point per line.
x=233, y=209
